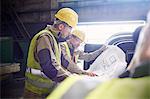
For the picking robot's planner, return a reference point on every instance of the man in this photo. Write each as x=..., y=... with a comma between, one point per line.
x=135, y=87
x=142, y=54
x=135, y=37
x=43, y=63
x=70, y=54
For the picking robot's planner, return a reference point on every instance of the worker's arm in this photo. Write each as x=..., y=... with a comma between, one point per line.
x=92, y=55
x=47, y=59
x=68, y=63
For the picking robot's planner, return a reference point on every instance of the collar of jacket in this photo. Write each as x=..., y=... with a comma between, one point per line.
x=53, y=30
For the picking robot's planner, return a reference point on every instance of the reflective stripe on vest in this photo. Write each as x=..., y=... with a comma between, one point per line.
x=37, y=83
x=42, y=85
x=35, y=72
x=63, y=87
x=37, y=90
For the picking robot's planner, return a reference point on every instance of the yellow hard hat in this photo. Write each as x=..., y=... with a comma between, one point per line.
x=78, y=33
x=68, y=16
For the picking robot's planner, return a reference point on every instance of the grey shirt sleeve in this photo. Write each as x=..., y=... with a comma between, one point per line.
x=91, y=56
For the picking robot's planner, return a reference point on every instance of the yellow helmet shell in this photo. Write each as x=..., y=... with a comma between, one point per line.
x=68, y=16
x=78, y=33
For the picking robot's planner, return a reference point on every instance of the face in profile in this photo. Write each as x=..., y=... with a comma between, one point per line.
x=65, y=31
x=75, y=41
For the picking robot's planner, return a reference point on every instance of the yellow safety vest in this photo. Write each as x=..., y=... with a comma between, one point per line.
x=36, y=83
x=64, y=87
x=74, y=58
x=66, y=48
x=126, y=88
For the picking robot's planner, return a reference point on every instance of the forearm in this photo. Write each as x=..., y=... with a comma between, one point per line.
x=50, y=67
x=91, y=56
x=74, y=68
x=68, y=63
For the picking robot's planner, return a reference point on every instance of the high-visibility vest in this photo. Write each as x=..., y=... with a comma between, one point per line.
x=38, y=83
x=64, y=87
x=66, y=48
x=126, y=88
x=74, y=57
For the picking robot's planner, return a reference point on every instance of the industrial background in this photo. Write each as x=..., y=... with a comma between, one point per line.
x=21, y=19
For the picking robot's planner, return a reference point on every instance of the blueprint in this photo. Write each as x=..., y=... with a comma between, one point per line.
x=110, y=64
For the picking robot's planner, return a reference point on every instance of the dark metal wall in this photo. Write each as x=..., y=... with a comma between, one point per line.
x=35, y=14
x=115, y=12
x=109, y=10
x=21, y=19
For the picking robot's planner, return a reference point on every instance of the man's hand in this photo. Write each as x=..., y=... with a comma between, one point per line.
x=90, y=74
